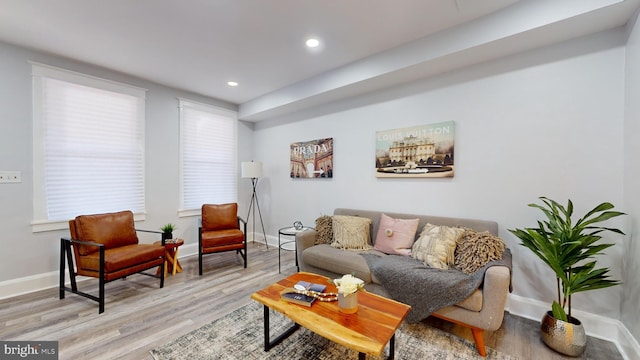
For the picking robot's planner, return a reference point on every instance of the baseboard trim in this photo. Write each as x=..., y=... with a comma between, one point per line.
x=595, y=325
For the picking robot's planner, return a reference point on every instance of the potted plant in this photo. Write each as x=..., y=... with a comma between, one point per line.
x=569, y=249
x=167, y=231
x=348, y=286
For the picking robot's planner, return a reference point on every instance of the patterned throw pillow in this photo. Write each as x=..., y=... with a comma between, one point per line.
x=324, y=230
x=351, y=232
x=396, y=236
x=436, y=245
x=476, y=249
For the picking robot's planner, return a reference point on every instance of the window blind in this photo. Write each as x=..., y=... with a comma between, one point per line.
x=92, y=151
x=208, y=155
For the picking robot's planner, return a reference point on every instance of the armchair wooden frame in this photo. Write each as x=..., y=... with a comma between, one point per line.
x=67, y=259
x=242, y=251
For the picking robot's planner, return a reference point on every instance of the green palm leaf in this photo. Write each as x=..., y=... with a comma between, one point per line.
x=567, y=248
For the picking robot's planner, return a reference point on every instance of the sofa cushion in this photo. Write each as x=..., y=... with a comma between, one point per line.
x=351, y=232
x=342, y=262
x=476, y=249
x=396, y=236
x=324, y=228
x=436, y=245
x=473, y=302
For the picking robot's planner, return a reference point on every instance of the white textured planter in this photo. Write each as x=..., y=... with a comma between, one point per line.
x=348, y=304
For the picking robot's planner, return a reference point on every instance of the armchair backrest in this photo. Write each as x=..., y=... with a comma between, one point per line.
x=111, y=229
x=220, y=217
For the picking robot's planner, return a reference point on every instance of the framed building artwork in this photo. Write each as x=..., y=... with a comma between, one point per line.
x=419, y=151
x=312, y=159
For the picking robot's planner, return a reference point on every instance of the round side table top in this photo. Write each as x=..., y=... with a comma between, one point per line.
x=171, y=243
x=290, y=230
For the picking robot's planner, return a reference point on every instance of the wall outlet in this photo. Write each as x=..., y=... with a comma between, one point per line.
x=10, y=177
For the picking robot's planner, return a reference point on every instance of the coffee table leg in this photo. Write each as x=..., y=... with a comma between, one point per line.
x=392, y=347
x=268, y=344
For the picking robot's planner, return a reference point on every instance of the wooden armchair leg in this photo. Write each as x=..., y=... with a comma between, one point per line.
x=478, y=336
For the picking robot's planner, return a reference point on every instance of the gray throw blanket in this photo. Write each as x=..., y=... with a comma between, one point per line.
x=426, y=289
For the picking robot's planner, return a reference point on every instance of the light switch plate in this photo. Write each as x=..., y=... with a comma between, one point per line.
x=10, y=177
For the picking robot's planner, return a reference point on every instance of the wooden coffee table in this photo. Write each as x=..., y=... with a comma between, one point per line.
x=367, y=331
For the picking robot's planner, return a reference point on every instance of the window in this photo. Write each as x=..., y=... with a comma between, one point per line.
x=88, y=146
x=207, y=156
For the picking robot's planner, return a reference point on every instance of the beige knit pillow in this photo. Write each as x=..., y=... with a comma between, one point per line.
x=476, y=249
x=436, y=245
x=351, y=232
x=324, y=230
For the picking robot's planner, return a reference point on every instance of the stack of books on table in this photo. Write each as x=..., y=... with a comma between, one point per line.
x=296, y=296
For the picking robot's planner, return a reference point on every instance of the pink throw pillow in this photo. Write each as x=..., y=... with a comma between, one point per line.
x=396, y=236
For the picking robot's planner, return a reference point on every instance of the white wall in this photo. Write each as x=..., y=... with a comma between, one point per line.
x=33, y=257
x=548, y=122
x=630, y=314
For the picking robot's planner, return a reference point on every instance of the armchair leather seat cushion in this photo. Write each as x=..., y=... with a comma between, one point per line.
x=222, y=238
x=123, y=257
x=113, y=230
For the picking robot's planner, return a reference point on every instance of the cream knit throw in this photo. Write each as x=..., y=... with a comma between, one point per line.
x=351, y=232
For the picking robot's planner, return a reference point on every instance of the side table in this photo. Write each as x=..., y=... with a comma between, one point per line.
x=289, y=231
x=171, y=262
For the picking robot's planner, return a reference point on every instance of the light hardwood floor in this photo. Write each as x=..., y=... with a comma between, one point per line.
x=139, y=316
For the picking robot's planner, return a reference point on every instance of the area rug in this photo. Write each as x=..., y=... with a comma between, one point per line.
x=240, y=335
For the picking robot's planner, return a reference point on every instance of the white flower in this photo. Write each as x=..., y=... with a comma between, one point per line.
x=348, y=284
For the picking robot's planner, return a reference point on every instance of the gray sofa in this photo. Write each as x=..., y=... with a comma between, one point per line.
x=483, y=310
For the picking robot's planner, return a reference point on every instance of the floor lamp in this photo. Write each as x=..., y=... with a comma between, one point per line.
x=253, y=170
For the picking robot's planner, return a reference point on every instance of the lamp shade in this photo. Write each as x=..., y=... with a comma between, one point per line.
x=251, y=169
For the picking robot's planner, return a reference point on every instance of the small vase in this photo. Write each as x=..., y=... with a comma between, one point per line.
x=348, y=304
x=567, y=338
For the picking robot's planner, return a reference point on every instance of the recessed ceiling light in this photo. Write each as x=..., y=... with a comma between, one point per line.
x=312, y=43
x=232, y=83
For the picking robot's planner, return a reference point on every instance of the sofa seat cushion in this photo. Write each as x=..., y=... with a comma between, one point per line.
x=339, y=261
x=473, y=302
x=122, y=257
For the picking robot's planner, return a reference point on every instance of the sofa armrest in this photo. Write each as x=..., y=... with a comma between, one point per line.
x=304, y=239
x=496, y=287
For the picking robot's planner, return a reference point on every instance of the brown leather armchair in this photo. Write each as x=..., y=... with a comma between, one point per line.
x=106, y=246
x=220, y=231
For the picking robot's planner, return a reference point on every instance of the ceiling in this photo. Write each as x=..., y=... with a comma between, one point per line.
x=366, y=45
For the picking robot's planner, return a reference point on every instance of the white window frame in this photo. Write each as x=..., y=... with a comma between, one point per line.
x=232, y=116
x=40, y=72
